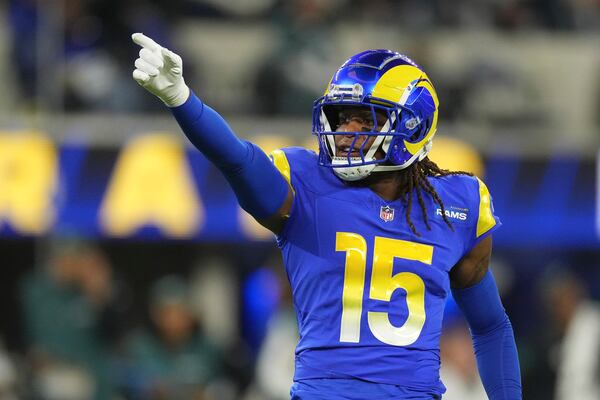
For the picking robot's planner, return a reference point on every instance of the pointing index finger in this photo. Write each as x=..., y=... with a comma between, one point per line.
x=145, y=42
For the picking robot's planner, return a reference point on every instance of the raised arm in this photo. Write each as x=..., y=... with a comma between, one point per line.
x=475, y=291
x=261, y=190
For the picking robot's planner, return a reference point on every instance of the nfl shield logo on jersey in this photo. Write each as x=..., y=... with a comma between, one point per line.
x=386, y=213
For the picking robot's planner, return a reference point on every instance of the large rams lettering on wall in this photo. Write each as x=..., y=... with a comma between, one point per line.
x=152, y=185
x=28, y=176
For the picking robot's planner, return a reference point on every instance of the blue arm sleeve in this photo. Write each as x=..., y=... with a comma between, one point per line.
x=493, y=339
x=258, y=185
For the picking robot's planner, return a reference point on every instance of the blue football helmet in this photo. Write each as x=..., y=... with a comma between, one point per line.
x=403, y=108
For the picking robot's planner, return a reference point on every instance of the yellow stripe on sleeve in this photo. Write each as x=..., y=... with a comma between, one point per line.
x=486, y=219
x=281, y=163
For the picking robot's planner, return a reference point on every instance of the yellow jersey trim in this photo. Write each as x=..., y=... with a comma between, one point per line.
x=282, y=164
x=486, y=220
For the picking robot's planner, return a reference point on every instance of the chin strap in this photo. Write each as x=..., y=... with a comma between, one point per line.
x=354, y=173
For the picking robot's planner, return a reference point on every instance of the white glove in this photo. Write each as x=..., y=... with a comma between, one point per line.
x=159, y=71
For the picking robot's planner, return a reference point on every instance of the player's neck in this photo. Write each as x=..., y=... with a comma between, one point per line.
x=387, y=185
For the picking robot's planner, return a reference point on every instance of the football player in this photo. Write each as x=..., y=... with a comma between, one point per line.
x=374, y=235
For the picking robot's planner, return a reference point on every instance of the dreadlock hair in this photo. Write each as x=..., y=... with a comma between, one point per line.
x=414, y=179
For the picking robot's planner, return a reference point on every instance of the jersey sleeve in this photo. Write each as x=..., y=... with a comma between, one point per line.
x=281, y=162
x=297, y=166
x=487, y=221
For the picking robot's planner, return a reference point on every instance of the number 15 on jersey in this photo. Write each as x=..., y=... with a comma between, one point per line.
x=383, y=285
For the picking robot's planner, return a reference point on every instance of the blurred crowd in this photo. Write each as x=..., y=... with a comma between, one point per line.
x=86, y=336
x=509, y=67
x=93, y=330
x=84, y=45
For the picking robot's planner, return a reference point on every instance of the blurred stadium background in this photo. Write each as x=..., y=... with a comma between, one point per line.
x=129, y=272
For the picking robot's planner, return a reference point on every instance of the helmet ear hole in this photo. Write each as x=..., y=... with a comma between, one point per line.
x=420, y=131
x=415, y=136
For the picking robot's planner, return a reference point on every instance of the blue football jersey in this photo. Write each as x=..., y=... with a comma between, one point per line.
x=369, y=294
